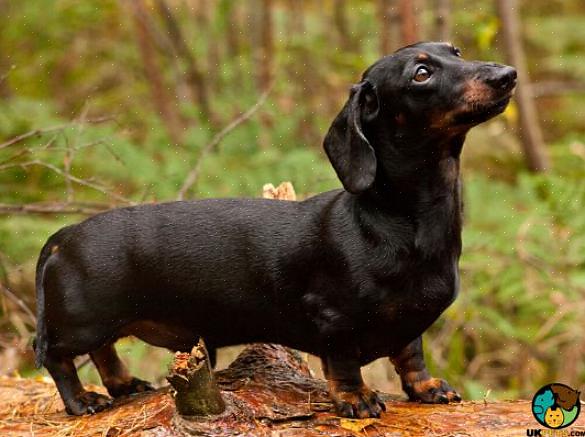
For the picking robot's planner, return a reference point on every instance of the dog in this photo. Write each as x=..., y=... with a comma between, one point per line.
x=349, y=275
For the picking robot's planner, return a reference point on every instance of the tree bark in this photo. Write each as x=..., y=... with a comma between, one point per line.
x=5, y=91
x=232, y=27
x=342, y=25
x=530, y=132
x=194, y=76
x=384, y=37
x=295, y=20
x=408, y=22
x=196, y=392
x=419, y=7
x=214, y=49
x=164, y=103
x=265, y=48
x=389, y=36
x=443, y=20
x=268, y=391
x=265, y=62
x=5, y=64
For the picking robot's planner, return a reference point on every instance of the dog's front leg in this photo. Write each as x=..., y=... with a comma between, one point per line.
x=351, y=397
x=416, y=381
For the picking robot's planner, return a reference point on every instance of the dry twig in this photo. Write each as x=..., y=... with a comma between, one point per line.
x=53, y=208
x=40, y=132
x=23, y=306
x=79, y=181
x=194, y=173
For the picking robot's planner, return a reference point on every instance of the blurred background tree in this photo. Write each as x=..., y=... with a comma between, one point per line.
x=115, y=102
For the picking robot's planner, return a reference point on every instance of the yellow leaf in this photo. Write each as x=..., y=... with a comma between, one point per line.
x=356, y=425
x=511, y=113
x=486, y=33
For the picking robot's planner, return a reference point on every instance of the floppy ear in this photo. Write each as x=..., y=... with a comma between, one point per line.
x=348, y=149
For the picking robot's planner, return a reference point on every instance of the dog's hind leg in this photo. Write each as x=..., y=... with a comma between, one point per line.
x=415, y=378
x=77, y=400
x=115, y=375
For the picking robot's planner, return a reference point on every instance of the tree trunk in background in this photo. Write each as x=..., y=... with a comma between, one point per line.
x=5, y=91
x=164, y=102
x=408, y=22
x=389, y=38
x=384, y=38
x=261, y=20
x=420, y=6
x=265, y=48
x=395, y=26
x=213, y=47
x=198, y=10
x=232, y=27
x=295, y=19
x=443, y=20
x=203, y=12
x=530, y=132
x=342, y=25
x=303, y=75
x=194, y=75
x=5, y=64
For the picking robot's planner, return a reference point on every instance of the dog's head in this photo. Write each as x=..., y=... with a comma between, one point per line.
x=413, y=102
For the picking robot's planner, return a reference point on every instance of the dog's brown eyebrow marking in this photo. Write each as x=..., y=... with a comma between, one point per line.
x=454, y=49
x=422, y=57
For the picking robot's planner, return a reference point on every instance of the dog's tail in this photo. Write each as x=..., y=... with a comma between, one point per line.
x=40, y=342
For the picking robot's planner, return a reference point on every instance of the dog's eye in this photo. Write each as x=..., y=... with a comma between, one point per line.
x=422, y=74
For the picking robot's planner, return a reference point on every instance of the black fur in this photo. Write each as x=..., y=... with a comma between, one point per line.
x=349, y=275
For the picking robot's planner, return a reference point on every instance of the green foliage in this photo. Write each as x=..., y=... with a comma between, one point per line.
x=516, y=324
x=523, y=285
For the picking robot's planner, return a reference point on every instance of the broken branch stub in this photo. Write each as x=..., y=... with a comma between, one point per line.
x=196, y=392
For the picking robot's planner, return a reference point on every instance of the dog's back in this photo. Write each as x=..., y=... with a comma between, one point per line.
x=214, y=265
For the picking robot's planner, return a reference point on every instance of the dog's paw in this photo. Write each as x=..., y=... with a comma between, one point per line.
x=432, y=391
x=88, y=402
x=131, y=387
x=361, y=403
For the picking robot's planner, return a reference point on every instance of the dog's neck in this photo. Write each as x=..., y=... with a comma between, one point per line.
x=432, y=167
x=428, y=194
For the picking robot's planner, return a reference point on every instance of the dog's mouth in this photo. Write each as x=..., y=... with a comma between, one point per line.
x=496, y=107
x=478, y=112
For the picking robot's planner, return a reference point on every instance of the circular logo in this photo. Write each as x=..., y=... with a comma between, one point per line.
x=556, y=406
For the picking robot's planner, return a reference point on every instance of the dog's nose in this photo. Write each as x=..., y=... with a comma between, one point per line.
x=502, y=78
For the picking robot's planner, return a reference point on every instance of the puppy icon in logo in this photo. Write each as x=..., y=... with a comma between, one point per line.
x=556, y=406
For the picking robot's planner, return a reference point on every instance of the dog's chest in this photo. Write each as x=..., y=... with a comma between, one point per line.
x=407, y=304
x=425, y=286
x=420, y=280
x=438, y=216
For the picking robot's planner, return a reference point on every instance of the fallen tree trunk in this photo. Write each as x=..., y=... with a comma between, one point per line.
x=268, y=390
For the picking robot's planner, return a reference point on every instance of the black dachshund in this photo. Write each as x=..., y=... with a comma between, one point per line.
x=350, y=275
